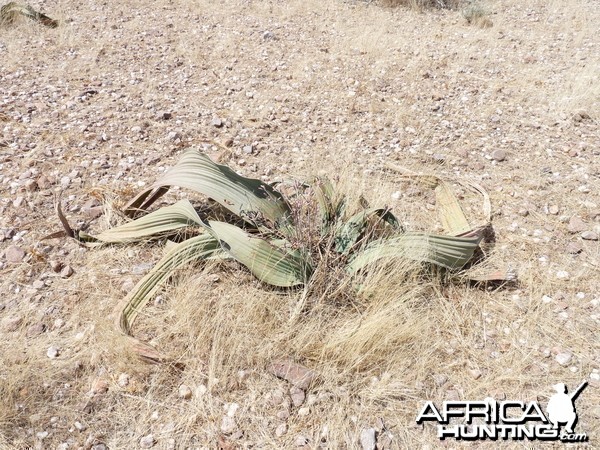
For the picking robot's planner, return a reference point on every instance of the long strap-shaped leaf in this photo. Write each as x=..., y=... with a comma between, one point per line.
x=446, y=251
x=451, y=214
x=249, y=198
x=351, y=231
x=180, y=215
x=331, y=205
x=267, y=262
x=197, y=248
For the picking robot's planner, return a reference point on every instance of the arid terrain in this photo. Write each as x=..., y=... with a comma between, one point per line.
x=97, y=108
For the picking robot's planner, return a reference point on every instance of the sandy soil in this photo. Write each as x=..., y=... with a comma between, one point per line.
x=103, y=104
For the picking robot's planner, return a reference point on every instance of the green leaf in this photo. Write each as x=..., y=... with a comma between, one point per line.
x=269, y=263
x=351, y=231
x=446, y=251
x=251, y=199
x=330, y=205
x=200, y=247
x=170, y=218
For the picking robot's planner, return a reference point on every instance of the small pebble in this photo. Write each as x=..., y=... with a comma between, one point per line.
x=53, y=352
x=281, y=430
x=185, y=392
x=498, y=155
x=563, y=358
x=147, y=441
x=367, y=439
x=589, y=236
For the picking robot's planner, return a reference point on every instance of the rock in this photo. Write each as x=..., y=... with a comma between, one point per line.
x=281, y=430
x=53, y=352
x=297, y=374
x=41, y=435
x=31, y=185
x=248, y=149
x=228, y=425
x=301, y=441
x=217, y=122
x=147, y=441
x=563, y=358
x=498, y=155
x=303, y=412
x=439, y=379
x=18, y=202
x=185, y=392
x=38, y=284
x=174, y=136
x=127, y=285
x=553, y=209
x=65, y=182
x=80, y=426
x=43, y=182
x=283, y=414
x=562, y=275
x=573, y=248
x=66, y=272
x=137, y=129
x=475, y=373
x=56, y=266
x=576, y=225
x=35, y=330
x=123, y=380
x=99, y=446
x=268, y=35
x=165, y=115
x=14, y=254
x=589, y=236
x=99, y=386
x=367, y=439
x=12, y=323
x=297, y=396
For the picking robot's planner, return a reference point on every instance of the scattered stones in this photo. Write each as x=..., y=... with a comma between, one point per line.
x=576, y=225
x=53, y=352
x=297, y=396
x=228, y=425
x=147, y=441
x=563, y=358
x=498, y=155
x=217, y=122
x=589, y=236
x=367, y=439
x=185, y=392
x=14, y=254
x=297, y=374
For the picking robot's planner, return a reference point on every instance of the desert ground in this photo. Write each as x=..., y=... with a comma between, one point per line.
x=99, y=107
